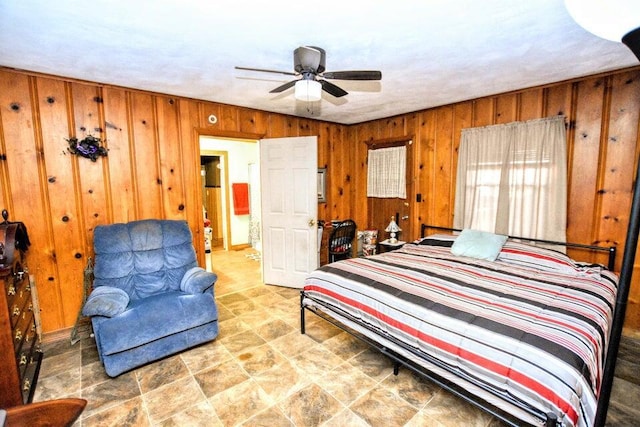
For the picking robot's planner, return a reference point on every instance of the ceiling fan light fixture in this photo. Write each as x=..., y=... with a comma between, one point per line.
x=615, y=20
x=308, y=90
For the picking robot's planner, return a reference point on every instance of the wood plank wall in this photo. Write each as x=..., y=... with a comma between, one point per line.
x=152, y=169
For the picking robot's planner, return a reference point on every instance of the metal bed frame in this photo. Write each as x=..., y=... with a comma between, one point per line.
x=549, y=419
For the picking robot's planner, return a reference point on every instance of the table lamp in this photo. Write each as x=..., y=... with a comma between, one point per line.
x=393, y=229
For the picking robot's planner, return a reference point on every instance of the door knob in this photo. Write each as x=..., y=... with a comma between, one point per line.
x=312, y=222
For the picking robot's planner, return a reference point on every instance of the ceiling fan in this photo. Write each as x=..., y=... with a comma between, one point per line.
x=309, y=62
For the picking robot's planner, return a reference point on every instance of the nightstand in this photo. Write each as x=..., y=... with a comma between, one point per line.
x=386, y=246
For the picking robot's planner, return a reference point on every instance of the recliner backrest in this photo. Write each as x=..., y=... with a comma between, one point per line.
x=143, y=257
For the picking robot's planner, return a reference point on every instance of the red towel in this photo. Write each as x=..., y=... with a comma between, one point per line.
x=240, y=198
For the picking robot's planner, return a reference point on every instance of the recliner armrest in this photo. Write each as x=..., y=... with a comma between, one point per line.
x=106, y=301
x=197, y=280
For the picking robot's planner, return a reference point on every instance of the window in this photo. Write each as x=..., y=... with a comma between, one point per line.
x=386, y=172
x=512, y=179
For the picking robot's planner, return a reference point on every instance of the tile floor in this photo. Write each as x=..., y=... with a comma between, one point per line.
x=261, y=371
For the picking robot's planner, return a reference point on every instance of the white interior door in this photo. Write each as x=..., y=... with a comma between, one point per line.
x=288, y=182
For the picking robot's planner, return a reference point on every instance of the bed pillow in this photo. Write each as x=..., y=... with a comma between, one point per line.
x=478, y=244
x=530, y=256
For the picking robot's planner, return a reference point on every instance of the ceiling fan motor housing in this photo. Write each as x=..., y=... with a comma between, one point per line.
x=309, y=59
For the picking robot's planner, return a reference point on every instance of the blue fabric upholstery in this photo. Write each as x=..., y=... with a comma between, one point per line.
x=106, y=301
x=170, y=304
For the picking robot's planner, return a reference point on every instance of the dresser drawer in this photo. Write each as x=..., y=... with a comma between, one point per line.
x=15, y=282
x=19, y=305
x=24, y=332
x=26, y=354
x=30, y=377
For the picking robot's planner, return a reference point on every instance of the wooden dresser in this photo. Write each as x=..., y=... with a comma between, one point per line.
x=20, y=354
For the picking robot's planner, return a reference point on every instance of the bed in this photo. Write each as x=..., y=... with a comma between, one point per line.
x=519, y=330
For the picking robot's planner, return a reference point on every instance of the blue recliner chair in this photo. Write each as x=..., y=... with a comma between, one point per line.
x=150, y=299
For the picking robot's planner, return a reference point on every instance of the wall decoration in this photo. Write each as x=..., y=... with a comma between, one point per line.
x=89, y=147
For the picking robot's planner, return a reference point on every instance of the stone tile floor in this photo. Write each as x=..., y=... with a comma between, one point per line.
x=261, y=371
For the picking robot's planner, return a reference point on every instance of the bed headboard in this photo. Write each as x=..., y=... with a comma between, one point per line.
x=611, y=250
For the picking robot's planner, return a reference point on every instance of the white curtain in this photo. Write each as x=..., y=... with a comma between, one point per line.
x=512, y=179
x=386, y=172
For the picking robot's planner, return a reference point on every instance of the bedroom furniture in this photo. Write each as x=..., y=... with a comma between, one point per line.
x=150, y=299
x=340, y=241
x=386, y=246
x=20, y=357
x=51, y=413
x=392, y=229
x=523, y=336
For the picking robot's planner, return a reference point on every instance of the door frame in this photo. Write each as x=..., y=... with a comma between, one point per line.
x=215, y=133
x=224, y=156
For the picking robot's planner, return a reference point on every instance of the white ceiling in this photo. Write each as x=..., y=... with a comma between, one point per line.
x=430, y=52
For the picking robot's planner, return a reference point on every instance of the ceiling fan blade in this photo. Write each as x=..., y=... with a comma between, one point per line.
x=283, y=87
x=353, y=75
x=263, y=70
x=332, y=89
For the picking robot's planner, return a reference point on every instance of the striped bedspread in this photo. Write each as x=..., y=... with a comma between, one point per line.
x=526, y=332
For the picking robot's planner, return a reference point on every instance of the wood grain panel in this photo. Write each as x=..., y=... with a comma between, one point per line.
x=584, y=203
x=65, y=213
x=444, y=168
x=253, y=121
x=290, y=126
x=393, y=128
x=410, y=227
x=277, y=126
x=506, y=109
x=87, y=112
x=364, y=134
x=324, y=136
x=338, y=169
x=171, y=177
x=121, y=156
x=146, y=157
x=463, y=117
x=24, y=168
x=483, y=112
x=618, y=165
x=228, y=118
x=557, y=100
x=420, y=171
x=530, y=104
x=358, y=210
x=189, y=120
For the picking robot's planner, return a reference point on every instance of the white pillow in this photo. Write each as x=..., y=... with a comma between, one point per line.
x=478, y=244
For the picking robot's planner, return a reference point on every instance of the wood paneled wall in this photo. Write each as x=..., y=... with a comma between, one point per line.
x=152, y=169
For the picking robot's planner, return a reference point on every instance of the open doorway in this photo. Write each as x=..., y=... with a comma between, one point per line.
x=213, y=202
x=231, y=195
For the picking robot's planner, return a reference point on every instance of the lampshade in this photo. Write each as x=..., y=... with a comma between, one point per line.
x=308, y=90
x=392, y=227
x=609, y=19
